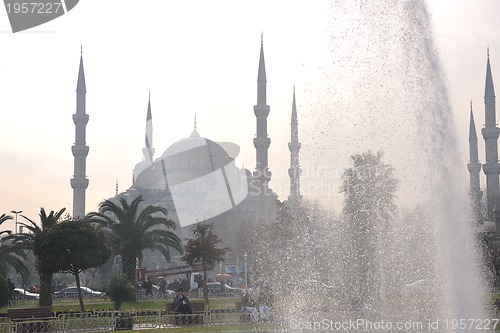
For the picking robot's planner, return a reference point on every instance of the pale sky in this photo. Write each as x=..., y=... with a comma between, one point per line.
x=196, y=57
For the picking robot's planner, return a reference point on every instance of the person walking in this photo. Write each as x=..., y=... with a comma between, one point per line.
x=149, y=286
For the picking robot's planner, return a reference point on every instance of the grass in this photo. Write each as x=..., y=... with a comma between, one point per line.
x=72, y=305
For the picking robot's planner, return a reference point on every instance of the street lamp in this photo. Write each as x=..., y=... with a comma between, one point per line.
x=16, y=212
x=237, y=270
x=245, y=256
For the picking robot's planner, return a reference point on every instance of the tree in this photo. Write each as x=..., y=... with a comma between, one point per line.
x=4, y=218
x=369, y=187
x=29, y=239
x=71, y=246
x=202, y=249
x=131, y=230
x=119, y=289
x=12, y=252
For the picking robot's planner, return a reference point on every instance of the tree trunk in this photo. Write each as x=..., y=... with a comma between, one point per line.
x=80, y=298
x=128, y=268
x=205, y=286
x=45, y=290
x=106, y=271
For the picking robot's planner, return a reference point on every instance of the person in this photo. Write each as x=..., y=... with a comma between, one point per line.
x=163, y=286
x=265, y=303
x=149, y=286
x=248, y=305
x=11, y=286
x=181, y=304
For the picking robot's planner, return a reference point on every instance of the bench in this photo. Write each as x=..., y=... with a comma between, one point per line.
x=496, y=305
x=29, y=320
x=27, y=313
x=195, y=318
x=245, y=316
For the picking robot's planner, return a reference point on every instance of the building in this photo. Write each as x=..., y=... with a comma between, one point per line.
x=196, y=180
x=80, y=150
x=491, y=168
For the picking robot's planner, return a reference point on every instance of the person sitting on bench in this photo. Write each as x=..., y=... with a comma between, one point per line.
x=181, y=304
x=248, y=305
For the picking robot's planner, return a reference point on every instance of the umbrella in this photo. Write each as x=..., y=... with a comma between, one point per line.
x=224, y=276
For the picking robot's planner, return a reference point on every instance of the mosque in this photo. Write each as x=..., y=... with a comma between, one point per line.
x=196, y=179
x=486, y=212
x=491, y=168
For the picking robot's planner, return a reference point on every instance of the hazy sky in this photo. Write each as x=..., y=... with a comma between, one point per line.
x=195, y=57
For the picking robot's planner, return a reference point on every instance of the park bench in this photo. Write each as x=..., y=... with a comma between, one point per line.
x=29, y=320
x=245, y=316
x=496, y=305
x=195, y=318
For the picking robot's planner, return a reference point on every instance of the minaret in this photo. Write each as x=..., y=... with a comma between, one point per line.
x=148, y=149
x=262, y=174
x=474, y=168
x=194, y=133
x=79, y=182
x=294, y=147
x=490, y=134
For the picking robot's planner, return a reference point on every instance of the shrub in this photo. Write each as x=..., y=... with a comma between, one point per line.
x=120, y=289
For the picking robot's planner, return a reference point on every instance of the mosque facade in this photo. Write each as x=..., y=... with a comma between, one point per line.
x=196, y=179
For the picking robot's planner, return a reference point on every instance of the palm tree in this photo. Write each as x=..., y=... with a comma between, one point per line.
x=131, y=230
x=12, y=252
x=29, y=239
x=4, y=218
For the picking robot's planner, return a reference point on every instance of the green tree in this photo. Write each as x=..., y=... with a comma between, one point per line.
x=203, y=249
x=369, y=187
x=131, y=230
x=72, y=246
x=4, y=218
x=28, y=239
x=12, y=253
x=119, y=289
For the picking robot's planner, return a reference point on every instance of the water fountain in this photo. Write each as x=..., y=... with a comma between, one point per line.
x=392, y=97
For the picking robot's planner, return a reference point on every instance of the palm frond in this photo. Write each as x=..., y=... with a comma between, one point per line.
x=4, y=218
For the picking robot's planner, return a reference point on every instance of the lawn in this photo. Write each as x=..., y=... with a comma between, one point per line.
x=72, y=305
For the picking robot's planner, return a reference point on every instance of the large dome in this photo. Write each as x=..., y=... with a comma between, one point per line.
x=198, y=176
x=196, y=147
x=184, y=160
